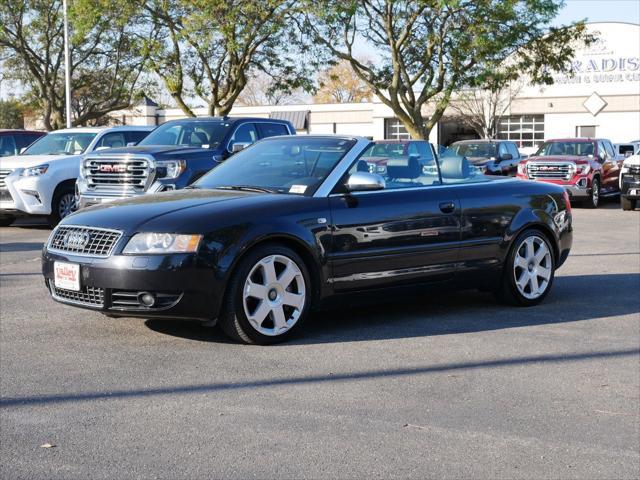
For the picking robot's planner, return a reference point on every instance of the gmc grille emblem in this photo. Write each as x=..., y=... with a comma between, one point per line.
x=76, y=239
x=112, y=168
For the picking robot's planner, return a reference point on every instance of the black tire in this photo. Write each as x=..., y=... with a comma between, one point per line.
x=507, y=291
x=627, y=204
x=233, y=319
x=6, y=221
x=594, y=198
x=62, y=194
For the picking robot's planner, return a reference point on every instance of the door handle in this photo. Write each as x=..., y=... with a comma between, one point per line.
x=447, y=207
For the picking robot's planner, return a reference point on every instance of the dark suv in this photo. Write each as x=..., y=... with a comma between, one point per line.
x=173, y=156
x=492, y=157
x=13, y=141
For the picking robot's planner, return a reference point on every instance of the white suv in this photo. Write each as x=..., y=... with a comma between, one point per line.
x=41, y=180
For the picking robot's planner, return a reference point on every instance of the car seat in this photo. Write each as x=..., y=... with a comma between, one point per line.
x=455, y=168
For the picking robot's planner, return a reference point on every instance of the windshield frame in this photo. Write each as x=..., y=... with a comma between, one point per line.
x=50, y=135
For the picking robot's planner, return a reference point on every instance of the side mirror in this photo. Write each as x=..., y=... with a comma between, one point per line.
x=365, y=182
x=506, y=156
x=236, y=147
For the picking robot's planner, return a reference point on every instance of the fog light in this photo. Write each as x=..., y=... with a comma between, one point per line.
x=147, y=299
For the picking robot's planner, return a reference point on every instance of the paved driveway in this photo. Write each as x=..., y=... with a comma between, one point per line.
x=449, y=385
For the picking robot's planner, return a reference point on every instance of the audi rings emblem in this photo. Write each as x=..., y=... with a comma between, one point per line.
x=76, y=240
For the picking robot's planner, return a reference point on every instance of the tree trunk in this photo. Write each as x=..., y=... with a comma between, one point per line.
x=183, y=106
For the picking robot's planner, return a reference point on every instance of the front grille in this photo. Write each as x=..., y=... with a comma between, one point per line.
x=551, y=170
x=634, y=169
x=117, y=175
x=89, y=296
x=97, y=242
x=4, y=173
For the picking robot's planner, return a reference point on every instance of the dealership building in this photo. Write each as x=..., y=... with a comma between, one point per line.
x=601, y=99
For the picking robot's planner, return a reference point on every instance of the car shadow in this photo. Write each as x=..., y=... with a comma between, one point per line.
x=20, y=246
x=441, y=313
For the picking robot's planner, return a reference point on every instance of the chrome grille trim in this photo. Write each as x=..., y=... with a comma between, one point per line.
x=551, y=170
x=4, y=173
x=92, y=297
x=131, y=174
x=101, y=242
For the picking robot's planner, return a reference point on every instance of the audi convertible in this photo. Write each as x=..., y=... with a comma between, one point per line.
x=279, y=228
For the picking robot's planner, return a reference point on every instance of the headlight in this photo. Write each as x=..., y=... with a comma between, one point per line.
x=170, y=168
x=584, y=169
x=35, y=171
x=522, y=168
x=162, y=243
x=625, y=169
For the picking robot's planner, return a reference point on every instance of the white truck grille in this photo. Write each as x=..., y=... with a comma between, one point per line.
x=551, y=170
x=117, y=175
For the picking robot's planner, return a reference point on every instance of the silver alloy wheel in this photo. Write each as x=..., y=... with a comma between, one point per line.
x=274, y=295
x=532, y=267
x=67, y=205
x=595, y=193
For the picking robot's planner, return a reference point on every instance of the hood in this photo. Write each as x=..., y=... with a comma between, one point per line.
x=632, y=160
x=152, y=150
x=559, y=158
x=130, y=214
x=26, y=161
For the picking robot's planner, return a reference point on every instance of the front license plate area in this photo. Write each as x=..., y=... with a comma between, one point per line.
x=634, y=192
x=66, y=276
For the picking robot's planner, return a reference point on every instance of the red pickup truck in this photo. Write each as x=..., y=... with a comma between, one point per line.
x=588, y=168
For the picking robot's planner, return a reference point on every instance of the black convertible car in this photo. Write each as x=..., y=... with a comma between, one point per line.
x=260, y=240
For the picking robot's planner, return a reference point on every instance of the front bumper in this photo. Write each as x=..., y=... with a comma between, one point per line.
x=630, y=186
x=182, y=286
x=578, y=187
x=26, y=195
x=86, y=197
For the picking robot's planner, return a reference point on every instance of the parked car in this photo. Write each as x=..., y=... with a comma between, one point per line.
x=492, y=157
x=278, y=228
x=588, y=168
x=382, y=151
x=630, y=182
x=627, y=149
x=13, y=141
x=174, y=156
x=41, y=180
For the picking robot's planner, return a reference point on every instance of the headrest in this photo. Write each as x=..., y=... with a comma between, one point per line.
x=454, y=167
x=405, y=168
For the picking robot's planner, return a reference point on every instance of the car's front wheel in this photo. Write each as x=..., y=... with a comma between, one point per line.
x=63, y=204
x=268, y=297
x=529, y=270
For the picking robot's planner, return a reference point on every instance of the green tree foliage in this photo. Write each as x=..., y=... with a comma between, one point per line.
x=106, y=58
x=210, y=48
x=11, y=114
x=430, y=48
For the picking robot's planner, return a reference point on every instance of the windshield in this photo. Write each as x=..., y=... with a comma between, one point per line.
x=285, y=165
x=580, y=149
x=64, y=143
x=189, y=133
x=486, y=150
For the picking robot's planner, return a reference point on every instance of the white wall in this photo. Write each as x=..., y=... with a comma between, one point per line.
x=619, y=127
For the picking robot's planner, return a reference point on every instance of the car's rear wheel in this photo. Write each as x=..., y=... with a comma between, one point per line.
x=63, y=204
x=268, y=297
x=627, y=204
x=594, y=198
x=529, y=270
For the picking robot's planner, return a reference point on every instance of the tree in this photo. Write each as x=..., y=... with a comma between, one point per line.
x=430, y=48
x=11, y=114
x=339, y=84
x=208, y=47
x=262, y=89
x=481, y=108
x=105, y=60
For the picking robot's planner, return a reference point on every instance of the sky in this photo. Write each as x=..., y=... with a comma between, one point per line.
x=599, y=11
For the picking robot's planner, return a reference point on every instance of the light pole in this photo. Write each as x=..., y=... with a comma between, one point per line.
x=67, y=66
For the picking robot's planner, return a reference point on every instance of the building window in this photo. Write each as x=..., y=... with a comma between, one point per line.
x=394, y=130
x=525, y=130
x=586, y=131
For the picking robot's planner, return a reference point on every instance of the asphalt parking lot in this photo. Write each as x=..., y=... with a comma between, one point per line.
x=448, y=385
